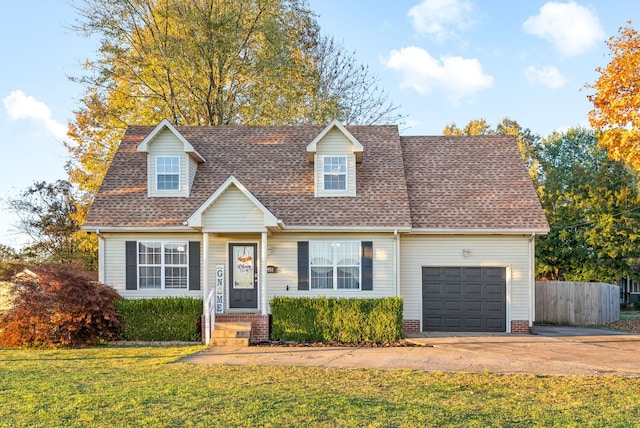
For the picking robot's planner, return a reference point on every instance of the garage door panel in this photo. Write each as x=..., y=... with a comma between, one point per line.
x=464, y=299
x=473, y=272
x=453, y=288
x=453, y=305
x=473, y=288
x=453, y=322
x=473, y=306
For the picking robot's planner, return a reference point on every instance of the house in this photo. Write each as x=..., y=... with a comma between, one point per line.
x=237, y=215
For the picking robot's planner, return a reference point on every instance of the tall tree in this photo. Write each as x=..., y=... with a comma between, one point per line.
x=210, y=62
x=48, y=214
x=616, y=101
x=592, y=204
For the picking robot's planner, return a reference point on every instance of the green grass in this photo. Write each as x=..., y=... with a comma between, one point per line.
x=630, y=315
x=139, y=386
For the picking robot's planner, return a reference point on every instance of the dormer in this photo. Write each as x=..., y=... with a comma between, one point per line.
x=171, y=162
x=334, y=153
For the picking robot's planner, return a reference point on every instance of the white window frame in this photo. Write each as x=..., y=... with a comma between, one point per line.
x=335, y=265
x=163, y=265
x=158, y=173
x=325, y=174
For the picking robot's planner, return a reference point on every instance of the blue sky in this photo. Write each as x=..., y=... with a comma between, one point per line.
x=442, y=61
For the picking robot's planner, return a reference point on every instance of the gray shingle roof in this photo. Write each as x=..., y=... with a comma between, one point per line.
x=423, y=182
x=464, y=182
x=271, y=162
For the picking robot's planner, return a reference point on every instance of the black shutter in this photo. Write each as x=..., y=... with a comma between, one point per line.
x=303, y=265
x=131, y=263
x=367, y=265
x=194, y=265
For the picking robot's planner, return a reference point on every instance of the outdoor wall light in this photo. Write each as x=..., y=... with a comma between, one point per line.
x=465, y=252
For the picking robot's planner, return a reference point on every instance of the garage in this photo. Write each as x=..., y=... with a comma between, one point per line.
x=464, y=299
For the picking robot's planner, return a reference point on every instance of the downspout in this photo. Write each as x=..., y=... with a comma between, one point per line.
x=396, y=262
x=532, y=280
x=100, y=256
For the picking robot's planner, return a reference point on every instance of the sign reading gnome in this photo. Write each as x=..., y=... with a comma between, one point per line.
x=219, y=288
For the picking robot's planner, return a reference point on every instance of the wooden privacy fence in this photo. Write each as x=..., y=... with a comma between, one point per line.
x=577, y=303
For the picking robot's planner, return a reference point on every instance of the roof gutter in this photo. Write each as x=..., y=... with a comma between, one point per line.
x=445, y=231
x=107, y=229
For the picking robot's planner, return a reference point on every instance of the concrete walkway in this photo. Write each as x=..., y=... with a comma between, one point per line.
x=551, y=351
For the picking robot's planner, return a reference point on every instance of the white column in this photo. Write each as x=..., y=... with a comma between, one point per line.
x=263, y=275
x=206, y=303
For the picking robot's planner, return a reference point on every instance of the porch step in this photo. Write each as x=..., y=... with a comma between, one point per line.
x=231, y=334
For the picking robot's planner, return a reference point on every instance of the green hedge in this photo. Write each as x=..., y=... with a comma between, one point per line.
x=322, y=319
x=165, y=319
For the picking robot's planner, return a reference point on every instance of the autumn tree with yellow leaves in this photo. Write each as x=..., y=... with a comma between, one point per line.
x=616, y=101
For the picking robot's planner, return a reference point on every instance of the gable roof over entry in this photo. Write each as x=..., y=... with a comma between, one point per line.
x=248, y=203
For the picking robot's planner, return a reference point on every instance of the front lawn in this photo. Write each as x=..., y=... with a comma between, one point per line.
x=122, y=386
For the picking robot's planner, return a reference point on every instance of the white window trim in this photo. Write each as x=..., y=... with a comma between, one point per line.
x=162, y=264
x=335, y=267
x=179, y=174
x=346, y=174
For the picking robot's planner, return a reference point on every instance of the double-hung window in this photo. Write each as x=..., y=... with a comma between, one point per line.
x=334, y=265
x=168, y=172
x=334, y=169
x=163, y=265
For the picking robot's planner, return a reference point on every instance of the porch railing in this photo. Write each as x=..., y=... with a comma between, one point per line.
x=209, y=317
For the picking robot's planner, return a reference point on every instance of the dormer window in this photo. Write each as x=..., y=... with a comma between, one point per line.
x=335, y=172
x=168, y=172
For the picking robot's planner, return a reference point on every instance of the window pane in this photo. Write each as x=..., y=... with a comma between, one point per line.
x=348, y=278
x=321, y=278
x=168, y=165
x=149, y=253
x=335, y=165
x=175, y=277
x=320, y=253
x=348, y=253
x=150, y=277
x=168, y=172
x=335, y=172
x=168, y=182
x=175, y=253
x=335, y=182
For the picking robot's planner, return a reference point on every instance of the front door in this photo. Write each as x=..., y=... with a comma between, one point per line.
x=243, y=278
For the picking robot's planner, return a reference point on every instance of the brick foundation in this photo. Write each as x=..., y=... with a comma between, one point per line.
x=411, y=326
x=520, y=327
x=259, y=324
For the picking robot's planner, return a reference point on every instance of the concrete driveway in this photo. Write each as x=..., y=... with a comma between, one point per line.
x=551, y=351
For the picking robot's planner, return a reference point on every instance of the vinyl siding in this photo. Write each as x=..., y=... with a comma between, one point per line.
x=193, y=166
x=284, y=255
x=166, y=144
x=417, y=251
x=233, y=212
x=335, y=144
x=114, y=267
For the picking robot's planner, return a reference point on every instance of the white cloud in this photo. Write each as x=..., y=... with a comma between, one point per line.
x=23, y=107
x=572, y=28
x=549, y=76
x=441, y=18
x=458, y=77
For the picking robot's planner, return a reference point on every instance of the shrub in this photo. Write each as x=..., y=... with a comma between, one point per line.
x=324, y=319
x=161, y=319
x=53, y=307
x=636, y=305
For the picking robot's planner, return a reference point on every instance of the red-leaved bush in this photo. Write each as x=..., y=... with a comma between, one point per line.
x=58, y=308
